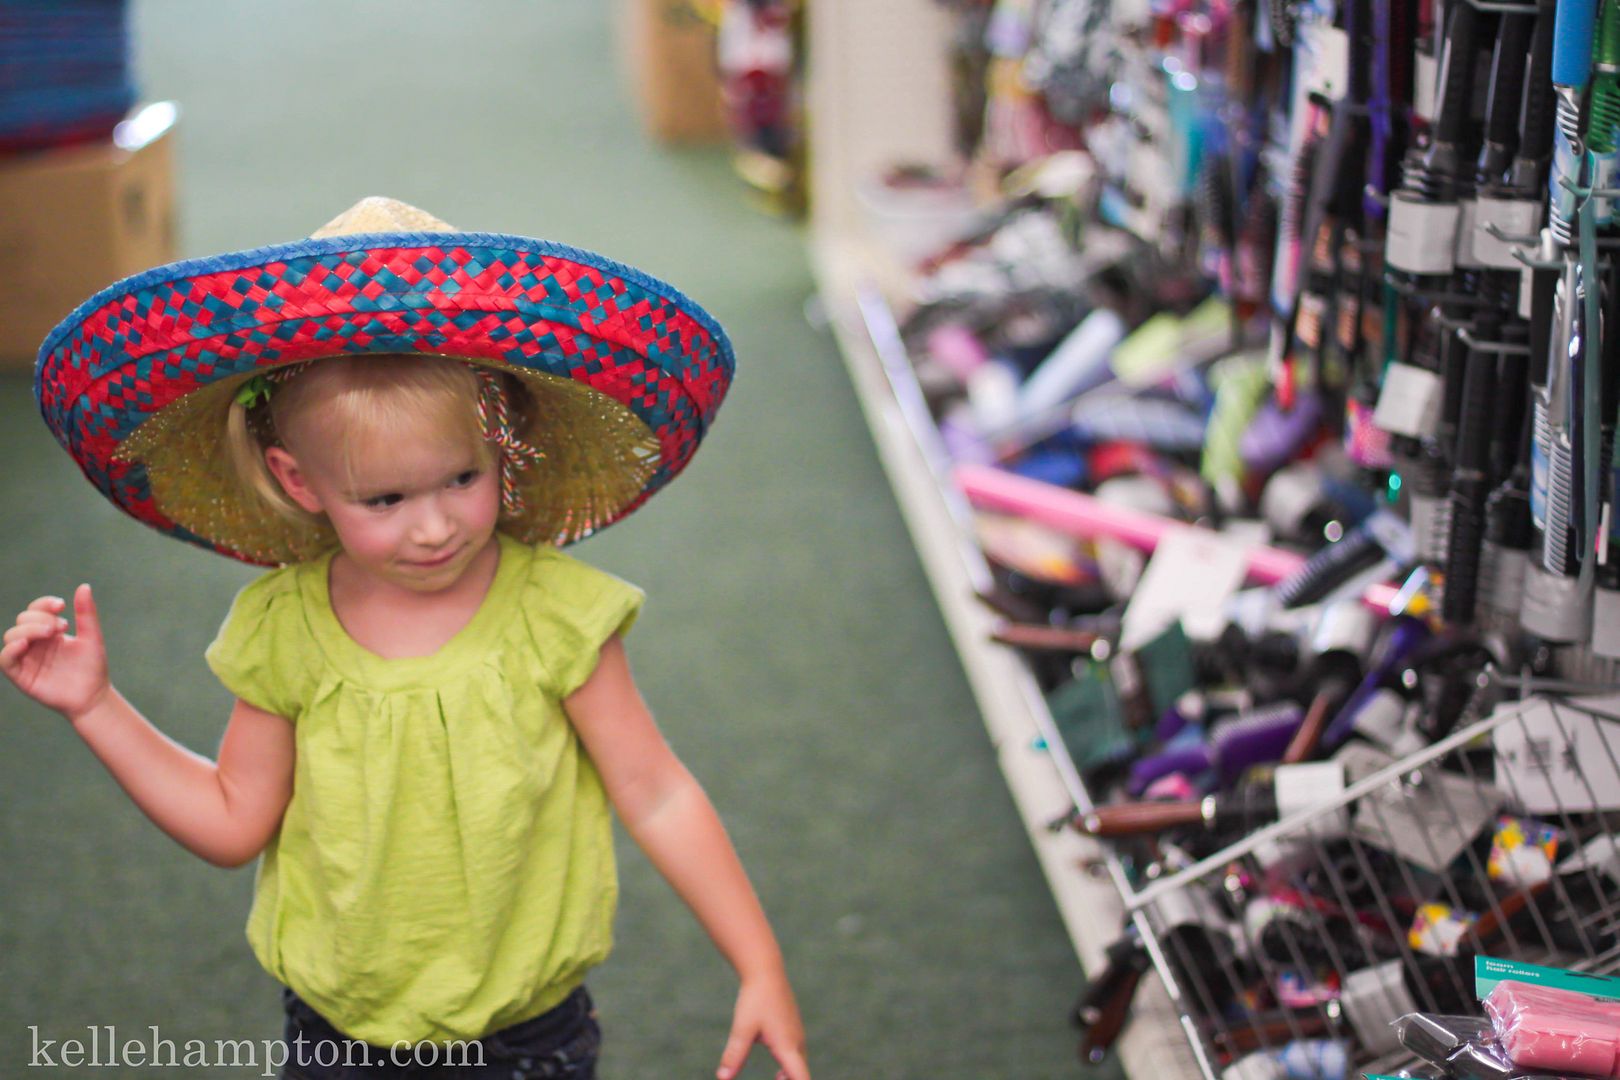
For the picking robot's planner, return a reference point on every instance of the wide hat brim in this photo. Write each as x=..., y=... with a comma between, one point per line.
x=631, y=369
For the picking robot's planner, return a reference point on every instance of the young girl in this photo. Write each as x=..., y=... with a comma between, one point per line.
x=434, y=710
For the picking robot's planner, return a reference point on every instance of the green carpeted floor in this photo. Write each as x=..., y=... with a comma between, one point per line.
x=791, y=648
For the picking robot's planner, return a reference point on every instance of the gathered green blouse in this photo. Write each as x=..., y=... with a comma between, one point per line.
x=445, y=866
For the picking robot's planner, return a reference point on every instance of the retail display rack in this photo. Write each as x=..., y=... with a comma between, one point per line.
x=877, y=90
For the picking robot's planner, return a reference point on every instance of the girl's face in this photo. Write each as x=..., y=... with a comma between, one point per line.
x=409, y=512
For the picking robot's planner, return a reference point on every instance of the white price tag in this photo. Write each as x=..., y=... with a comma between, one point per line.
x=1425, y=86
x=1512, y=217
x=1601, y=855
x=1409, y=402
x=1190, y=578
x=1421, y=236
x=1556, y=757
x=1383, y=719
x=1467, y=222
x=1306, y=787
x=1289, y=495
x=1427, y=822
x=1608, y=167
x=1370, y=997
x=1606, y=622
x=1328, y=51
x=1255, y=1067
x=1120, y=567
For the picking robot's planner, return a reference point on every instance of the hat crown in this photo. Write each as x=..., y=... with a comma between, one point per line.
x=379, y=214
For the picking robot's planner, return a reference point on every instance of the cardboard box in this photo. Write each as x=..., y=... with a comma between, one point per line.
x=667, y=51
x=75, y=220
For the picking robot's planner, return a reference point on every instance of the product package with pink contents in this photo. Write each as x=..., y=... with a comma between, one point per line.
x=1546, y=1028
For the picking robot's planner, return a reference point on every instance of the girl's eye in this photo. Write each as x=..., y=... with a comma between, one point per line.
x=464, y=479
x=382, y=502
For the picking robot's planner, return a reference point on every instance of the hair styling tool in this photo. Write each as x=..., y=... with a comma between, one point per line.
x=1256, y=738
x=1574, y=27
x=1240, y=811
x=1342, y=636
x=1469, y=485
x=1338, y=360
x=1380, y=113
x=1505, y=553
x=1606, y=585
x=1539, y=127
x=1549, y=597
x=1433, y=175
x=1478, y=416
x=1039, y=637
x=1292, y=238
x=1105, y=1006
x=1405, y=637
x=1089, y=517
x=1424, y=216
x=1510, y=59
x=1306, y=503
x=1365, y=442
x=1554, y=605
x=1381, y=536
x=1507, y=512
x=1293, y=788
x=1601, y=394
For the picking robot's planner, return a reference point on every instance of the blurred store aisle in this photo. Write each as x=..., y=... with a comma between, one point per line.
x=790, y=646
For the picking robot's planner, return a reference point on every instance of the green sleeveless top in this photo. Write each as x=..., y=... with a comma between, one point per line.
x=445, y=866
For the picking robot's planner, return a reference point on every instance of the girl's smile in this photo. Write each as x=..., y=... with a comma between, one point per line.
x=410, y=513
x=434, y=563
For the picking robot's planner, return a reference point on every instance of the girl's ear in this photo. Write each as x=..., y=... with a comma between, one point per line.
x=284, y=467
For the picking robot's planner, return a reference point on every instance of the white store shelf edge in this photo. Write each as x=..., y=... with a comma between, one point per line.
x=1153, y=1045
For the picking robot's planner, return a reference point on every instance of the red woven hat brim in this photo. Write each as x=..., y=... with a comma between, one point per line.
x=150, y=339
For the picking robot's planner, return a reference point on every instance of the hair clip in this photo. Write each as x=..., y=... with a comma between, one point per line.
x=254, y=392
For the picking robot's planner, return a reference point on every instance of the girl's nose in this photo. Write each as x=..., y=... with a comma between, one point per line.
x=432, y=526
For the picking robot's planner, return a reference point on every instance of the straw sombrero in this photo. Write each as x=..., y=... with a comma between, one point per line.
x=626, y=373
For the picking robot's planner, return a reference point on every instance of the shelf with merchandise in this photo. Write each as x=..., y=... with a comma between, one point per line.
x=878, y=93
x=1265, y=369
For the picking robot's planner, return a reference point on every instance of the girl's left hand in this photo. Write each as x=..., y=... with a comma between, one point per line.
x=766, y=1012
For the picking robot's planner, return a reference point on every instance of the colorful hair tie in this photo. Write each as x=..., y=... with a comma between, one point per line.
x=515, y=453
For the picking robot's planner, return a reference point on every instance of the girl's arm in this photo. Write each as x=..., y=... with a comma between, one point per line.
x=671, y=819
x=224, y=812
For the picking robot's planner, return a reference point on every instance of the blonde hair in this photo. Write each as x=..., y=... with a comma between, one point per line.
x=350, y=401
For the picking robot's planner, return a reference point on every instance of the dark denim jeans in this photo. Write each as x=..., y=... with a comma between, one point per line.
x=560, y=1044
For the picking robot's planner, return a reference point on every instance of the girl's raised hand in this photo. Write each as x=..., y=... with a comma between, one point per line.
x=66, y=673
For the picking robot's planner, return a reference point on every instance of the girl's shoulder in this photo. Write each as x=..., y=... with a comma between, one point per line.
x=570, y=609
x=283, y=581
x=274, y=595
x=264, y=651
x=561, y=574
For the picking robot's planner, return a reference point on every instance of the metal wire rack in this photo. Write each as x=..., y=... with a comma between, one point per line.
x=1330, y=923
x=1325, y=926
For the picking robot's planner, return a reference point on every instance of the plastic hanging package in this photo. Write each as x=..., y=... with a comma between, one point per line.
x=1541, y=1027
x=1434, y=1038
x=1461, y=1047
x=1482, y=1060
